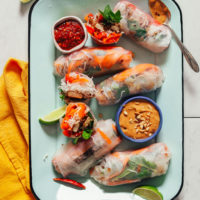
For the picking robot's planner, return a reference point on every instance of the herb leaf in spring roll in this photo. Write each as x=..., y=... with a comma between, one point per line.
x=132, y=166
x=77, y=159
x=142, y=28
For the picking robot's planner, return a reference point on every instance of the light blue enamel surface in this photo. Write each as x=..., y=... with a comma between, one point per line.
x=44, y=97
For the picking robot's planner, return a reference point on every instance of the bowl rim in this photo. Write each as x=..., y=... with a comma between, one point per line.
x=139, y=140
x=61, y=20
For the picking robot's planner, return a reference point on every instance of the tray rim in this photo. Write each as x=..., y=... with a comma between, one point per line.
x=29, y=101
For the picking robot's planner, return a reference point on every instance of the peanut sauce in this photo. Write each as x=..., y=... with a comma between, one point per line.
x=139, y=119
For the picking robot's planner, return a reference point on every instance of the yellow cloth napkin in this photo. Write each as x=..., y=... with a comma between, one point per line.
x=14, y=142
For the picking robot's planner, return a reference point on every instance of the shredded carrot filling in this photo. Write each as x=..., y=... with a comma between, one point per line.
x=76, y=79
x=114, y=127
x=71, y=110
x=104, y=136
x=116, y=154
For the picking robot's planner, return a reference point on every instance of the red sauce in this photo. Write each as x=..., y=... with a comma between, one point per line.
x=69, y=34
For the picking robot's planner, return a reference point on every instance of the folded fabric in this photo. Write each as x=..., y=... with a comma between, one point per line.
x=14, y=142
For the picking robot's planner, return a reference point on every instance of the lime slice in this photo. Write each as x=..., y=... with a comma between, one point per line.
x=25, y=1
x=148, y=193
x=54, y=116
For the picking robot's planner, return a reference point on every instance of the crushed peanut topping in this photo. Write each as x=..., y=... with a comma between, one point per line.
x=140, y=118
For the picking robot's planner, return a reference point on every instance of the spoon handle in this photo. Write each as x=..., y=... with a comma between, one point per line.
x=188, y=56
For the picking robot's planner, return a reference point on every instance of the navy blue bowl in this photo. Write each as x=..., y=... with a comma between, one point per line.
x=139, y=140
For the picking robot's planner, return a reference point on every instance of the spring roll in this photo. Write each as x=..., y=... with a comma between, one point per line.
x=139, y=79
x=77, y=86
x=142, y=28
x=78, y=121
x=94, y=61
x=77, y=159
x=132, y=166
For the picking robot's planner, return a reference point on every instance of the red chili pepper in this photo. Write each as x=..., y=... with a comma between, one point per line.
x=89, y=29
x=68, y=78
x=66, y=133
x=70, y=181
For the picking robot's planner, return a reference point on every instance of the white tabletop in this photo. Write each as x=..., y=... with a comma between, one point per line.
x=14, y=43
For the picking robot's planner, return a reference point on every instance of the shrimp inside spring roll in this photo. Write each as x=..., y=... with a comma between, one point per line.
x=77, y=86
x=78, y=158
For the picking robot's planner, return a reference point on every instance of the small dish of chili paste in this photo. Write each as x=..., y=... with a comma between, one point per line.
x=69, y=34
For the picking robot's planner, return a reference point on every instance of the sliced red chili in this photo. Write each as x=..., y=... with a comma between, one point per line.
x=70, y=181
x=66, y=133
x=89, y=29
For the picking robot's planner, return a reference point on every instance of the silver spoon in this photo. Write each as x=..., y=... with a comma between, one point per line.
x=163, y=15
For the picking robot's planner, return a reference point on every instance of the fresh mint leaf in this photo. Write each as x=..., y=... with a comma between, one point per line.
x=109, y=16
x=118, y=15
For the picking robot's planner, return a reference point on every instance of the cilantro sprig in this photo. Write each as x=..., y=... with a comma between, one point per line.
x=109, y=16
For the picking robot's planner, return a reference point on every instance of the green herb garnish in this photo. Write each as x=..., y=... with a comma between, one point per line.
x=87, y=134
x=75, y=140
x=62, y=95
x=137, y=168
x=109, y=16
x=140, y=33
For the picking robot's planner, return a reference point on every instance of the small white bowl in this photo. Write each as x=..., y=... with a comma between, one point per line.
x=60, y=21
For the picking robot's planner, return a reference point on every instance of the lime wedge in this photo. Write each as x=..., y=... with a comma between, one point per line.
x=148, y=193
x=25, y=1
x=54, y=116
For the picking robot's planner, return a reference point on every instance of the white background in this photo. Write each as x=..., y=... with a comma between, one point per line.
x=14, y=43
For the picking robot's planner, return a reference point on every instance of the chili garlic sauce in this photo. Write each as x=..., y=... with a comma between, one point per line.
x=69, y=34
x=139, y=119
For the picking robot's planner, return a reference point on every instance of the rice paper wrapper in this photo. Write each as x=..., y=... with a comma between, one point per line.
x=132, y=166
